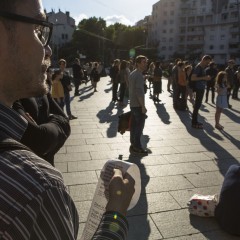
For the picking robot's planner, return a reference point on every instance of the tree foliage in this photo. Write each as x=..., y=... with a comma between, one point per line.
x=100, y=42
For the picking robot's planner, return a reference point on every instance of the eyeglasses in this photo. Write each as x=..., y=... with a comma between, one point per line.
x=43, y=29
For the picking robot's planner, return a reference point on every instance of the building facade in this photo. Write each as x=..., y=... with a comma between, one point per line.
x=192, y=28
x=63, y=28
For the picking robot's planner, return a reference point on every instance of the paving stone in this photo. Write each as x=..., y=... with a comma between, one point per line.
x=81, y=193
x=72, y=157
x=75, y=142
x=163, y=150
x=183, y=196
x=74, y=178
x=83, y=210
x=205, y=179
x=62, y=167
x=87, y=148
x=163, y=184
x=178, y=223
x=208, y=166
x=153, y=203
x=173, y=169
x=82, y=166
x=186, y=157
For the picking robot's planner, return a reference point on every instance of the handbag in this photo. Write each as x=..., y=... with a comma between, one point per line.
x=202, y=205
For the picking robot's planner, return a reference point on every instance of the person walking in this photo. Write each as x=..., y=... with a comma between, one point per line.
x=124, y=80
x=114, y=71
x=66, y=82
x=157, y=82
x=137, y=105
x=200, y=78
x=221, y=102
x=77, y=75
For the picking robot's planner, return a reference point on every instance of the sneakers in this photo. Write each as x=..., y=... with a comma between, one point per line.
x=139, y=151
x=71, y=117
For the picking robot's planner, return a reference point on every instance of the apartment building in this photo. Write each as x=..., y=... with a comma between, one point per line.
x=63, y=27
x=192, y=28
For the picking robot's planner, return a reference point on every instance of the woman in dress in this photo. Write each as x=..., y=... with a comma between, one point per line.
x=57, y=88
x=221, y=103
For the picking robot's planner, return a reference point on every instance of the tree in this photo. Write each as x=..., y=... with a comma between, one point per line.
x=101, y=43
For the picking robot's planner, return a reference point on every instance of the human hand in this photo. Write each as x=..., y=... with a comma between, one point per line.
x=121, y=190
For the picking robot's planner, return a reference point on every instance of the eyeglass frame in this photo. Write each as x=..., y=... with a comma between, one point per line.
x=20, y=18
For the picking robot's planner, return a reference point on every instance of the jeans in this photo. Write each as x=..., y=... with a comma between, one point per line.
x=198, y=103
x=67, y=103
x=136, y=126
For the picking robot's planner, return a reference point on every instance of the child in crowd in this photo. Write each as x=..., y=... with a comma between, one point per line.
x=221, y=87
x=57, y=88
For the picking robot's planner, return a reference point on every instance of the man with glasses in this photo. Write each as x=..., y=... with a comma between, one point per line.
x=34, y=202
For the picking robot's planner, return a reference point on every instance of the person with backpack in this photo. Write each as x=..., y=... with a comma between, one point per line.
x=199, y=78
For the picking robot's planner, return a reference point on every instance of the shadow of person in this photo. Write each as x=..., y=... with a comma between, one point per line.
x=106, y=116
x=85, y=96
x=137, y=217
x=162, y=113
x=207, y=136
x=230, y=113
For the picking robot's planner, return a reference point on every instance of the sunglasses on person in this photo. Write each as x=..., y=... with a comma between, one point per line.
x=43, y=29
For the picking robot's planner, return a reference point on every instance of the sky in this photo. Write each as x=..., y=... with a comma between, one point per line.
x=127, y=12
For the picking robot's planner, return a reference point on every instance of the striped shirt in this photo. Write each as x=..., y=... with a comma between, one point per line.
x=34, y=202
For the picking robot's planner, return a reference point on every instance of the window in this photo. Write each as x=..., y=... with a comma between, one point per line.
x=164, y=31
x=222, y=37
x=203, y=2
x=221, y=47
x=211, y=47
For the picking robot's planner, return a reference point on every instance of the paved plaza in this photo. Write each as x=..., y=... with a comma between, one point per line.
x=183, y=161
